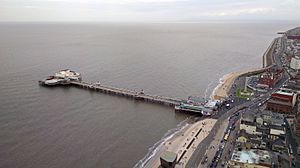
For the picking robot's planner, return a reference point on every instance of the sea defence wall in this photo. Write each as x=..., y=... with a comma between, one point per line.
x=258, y=71
x=268, y=58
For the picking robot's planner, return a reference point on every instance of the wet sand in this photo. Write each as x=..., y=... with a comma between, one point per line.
x=186, y=139
x=226, y=82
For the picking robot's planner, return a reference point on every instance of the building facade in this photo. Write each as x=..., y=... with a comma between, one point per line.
x=282, y=102
x=295, y=63
x=269, y=78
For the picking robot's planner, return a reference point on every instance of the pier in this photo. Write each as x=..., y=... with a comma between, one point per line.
x=71, y=78
x=127, y=93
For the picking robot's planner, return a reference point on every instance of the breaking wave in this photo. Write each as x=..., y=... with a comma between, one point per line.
x=153, y=150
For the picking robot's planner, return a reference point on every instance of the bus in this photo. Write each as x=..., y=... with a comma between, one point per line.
x=226, y=137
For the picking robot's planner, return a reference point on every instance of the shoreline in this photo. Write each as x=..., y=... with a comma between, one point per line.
x=172, y=140
x=225, y=84
x=187, y=138
x=155, y=149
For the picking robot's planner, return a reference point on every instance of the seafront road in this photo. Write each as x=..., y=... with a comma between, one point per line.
x=213, y=139
x=216, y=132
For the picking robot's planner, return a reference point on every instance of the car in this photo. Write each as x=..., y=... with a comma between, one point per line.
x=205, y=160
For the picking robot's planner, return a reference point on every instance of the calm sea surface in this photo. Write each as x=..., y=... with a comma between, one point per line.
x=74, y=128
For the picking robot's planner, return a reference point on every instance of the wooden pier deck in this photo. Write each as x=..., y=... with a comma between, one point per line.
x=128, y=93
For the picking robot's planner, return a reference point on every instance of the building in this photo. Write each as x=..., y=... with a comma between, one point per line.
x=260, y=120
x=269, y=78
x=277, y=132
x=67, y=73
x=293, y=37
x=279, y=146
x=297, y=123
x=294, y=82
x=295, y=63
x=62, y=77
x=168, y=159
x=257, y=144
x=265, y=118
x=291, y=119
x=293, y=34
x=253, y=158
x=248, y=124
x=244, y=137
x=282, y=102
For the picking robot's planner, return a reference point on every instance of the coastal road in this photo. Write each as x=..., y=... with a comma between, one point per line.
x=211, y=140
x=214, y=136
x=213, y=147
x=230, y=144
x=227, y=152
x=199, y=153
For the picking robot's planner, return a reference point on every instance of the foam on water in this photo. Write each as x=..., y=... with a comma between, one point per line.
x=153, y=150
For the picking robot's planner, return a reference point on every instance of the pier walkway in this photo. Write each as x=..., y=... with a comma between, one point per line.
x=128, y=93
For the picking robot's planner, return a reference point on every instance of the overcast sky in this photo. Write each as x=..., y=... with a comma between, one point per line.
x=148, y=10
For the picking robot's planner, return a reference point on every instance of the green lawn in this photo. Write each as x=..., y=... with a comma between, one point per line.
x=242, y=94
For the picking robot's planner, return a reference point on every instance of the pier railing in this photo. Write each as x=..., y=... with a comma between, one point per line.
x=128, y=93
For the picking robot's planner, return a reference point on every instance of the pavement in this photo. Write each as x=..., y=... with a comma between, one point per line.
x=230, y=143
x=185, y=140
x=213, y=146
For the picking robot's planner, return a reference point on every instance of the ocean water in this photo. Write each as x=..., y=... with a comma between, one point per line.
x=73, y=128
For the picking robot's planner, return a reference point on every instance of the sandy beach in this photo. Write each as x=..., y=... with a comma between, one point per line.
x=226, y=82
x=186, y=139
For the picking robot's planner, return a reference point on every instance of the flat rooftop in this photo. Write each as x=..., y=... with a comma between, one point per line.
x=285, y=93
x=253, y=156
x=169, y=156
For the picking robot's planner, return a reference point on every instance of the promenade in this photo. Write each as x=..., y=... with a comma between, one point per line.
x=214, y=136
x=184, y=142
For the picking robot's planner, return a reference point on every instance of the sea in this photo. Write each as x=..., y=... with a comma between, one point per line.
x=55, y=127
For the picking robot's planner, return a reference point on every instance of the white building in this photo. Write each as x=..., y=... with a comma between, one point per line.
x=295, y=63
x=72, y=75
x=249, y=127
x=253, y=158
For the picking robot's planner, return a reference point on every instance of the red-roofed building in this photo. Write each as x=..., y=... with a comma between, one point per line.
x=269, y=78
x=294, y=37
x=282, y=102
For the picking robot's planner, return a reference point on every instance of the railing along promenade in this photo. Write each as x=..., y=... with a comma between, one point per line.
x=128, y=93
